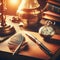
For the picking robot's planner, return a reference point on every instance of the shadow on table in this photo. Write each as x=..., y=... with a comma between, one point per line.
x=51, y=40
x=9, y=56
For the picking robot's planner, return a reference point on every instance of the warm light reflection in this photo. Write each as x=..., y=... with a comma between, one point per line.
x=28, y=12
x=13, y=2
x=28, y=4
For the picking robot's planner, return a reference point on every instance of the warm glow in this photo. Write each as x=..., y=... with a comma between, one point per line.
x=13, y=2
x=28, y=4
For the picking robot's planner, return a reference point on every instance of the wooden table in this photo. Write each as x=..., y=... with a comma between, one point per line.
x=33, y=49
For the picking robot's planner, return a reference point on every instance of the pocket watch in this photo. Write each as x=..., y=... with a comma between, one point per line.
x=46, y=30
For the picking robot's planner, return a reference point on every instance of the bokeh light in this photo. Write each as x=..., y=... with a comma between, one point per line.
x=13, y=2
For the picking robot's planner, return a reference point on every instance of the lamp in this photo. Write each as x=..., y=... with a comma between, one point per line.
x=28, y=12
x=4, y=28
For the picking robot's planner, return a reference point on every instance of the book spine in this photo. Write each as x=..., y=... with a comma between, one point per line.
x=51, y=17
x=53, y=8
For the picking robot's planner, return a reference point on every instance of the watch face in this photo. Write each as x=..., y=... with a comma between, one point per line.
x=46, y=30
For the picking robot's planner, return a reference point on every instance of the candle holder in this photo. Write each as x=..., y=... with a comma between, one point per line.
x=5, y=29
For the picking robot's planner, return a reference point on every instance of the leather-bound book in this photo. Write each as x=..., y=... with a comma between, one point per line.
x=55, y=2
x=52, y=7
x=51, y=16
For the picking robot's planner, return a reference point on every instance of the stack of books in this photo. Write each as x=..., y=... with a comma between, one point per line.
x=52, y=6
x=51, y=12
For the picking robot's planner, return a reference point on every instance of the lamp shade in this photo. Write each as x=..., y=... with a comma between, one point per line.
x=28, y=4
x=28, y=12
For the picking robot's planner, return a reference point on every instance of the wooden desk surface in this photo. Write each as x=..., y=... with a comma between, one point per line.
x=33, y=49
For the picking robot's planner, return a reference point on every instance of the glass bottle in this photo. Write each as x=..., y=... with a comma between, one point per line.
x=28, y=12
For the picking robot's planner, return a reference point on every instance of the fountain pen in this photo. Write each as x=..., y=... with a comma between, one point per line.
x=41, y=45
